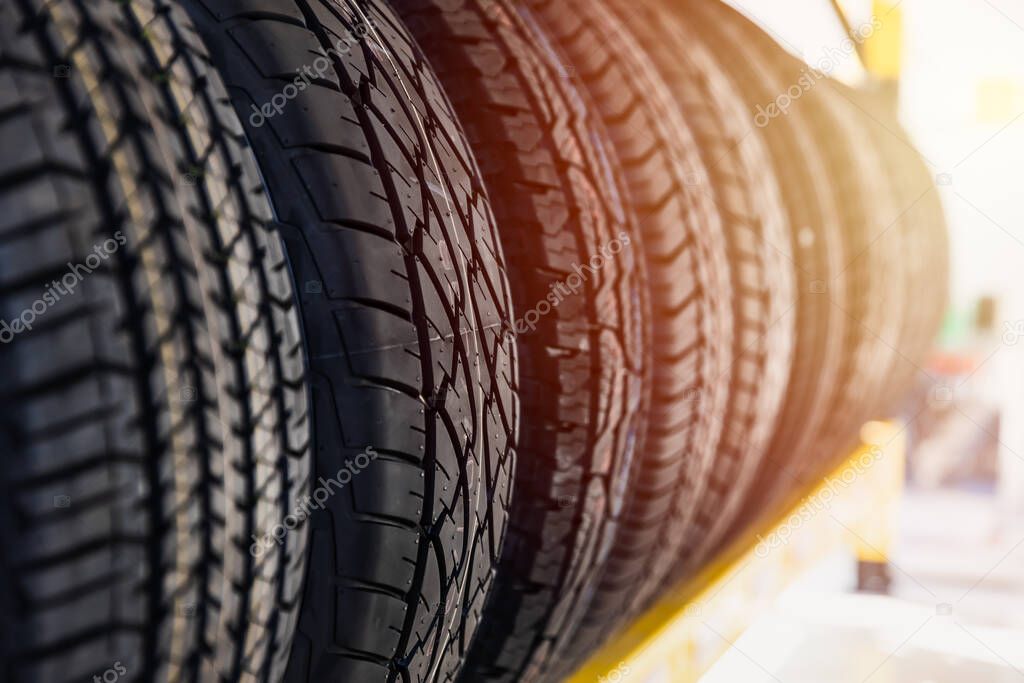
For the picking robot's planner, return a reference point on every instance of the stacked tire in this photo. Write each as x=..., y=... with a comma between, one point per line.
x=421, y=340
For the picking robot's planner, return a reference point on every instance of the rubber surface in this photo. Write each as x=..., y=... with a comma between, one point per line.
x=686, y=258
x=881, y=260
x=922, y=225
x=837, y=360
x=576, y=271
x=876, y=284
x=760, y=71
x=405, y=307
x=741, y=182
x=154, y=415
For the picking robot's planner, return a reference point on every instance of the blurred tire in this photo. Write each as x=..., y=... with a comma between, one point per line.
x=404, y=305
x=691, y=293
x=876, y=273
x=154, y=413
x=581, y=330
x=922, y=225
x=830, y=182
x=742, y=183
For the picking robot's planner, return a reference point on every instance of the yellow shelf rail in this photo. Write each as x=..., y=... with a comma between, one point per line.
x=679, y=639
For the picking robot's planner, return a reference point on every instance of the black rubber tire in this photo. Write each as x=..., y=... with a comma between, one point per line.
x=154, y=417
x=405, y=305
x=691, y=300
x=743, y=185
x=890, y=258
x=760, y=70
x=876, y=274
x=922, y=225
x=550, y=173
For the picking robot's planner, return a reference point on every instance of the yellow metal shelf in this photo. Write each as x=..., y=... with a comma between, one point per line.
x=686, y=632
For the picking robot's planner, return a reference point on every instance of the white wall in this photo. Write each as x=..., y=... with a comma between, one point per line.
x=955, y=50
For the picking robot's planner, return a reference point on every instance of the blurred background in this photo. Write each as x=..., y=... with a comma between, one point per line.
x=943, y=598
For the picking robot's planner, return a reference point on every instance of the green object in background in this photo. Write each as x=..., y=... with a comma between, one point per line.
x=956, y=328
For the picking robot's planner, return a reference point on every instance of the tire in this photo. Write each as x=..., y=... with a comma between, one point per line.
x=155, y=413
x=560, y=205
x=921, y=223
x=691, y=293
x=876, y=280
x=405, y=306
x=759, y=71
x=742, y=184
